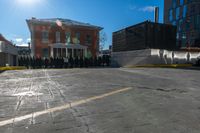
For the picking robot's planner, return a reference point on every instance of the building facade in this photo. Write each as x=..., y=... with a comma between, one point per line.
x=185, y=14
x=63, y=38
x=8, y=53
x=24, y=51
x=145, y=35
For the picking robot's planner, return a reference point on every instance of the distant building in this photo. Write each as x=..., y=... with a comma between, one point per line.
x=24, y=50
x=8, y=52
x=63, y=38
x=185, y=14
x=145, y=35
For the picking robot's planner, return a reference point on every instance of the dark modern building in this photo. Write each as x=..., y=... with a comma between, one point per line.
x=185, y=14
x=145, y=35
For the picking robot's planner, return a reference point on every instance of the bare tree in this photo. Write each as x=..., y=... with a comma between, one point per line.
x=103, y=39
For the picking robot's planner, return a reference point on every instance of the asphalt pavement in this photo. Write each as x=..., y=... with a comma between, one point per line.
x=109, y=100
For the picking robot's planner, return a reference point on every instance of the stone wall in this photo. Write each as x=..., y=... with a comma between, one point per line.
x=153, y=56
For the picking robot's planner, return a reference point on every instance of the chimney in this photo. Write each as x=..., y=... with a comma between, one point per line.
x=156, y=15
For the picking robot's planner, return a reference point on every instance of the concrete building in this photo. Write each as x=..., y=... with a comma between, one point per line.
x=8, y=53
x=149, y=43
x=145, y=35
x=63, y=38
x=185, y=14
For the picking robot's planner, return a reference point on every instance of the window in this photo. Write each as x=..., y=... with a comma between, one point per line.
x=171, y=15
x=174, y=3
x=88, y=39
x=68, y=37
x=57, y=37
x=180, y=25
x=78, y=35
x=45, y=36
x=181, y=2
x=197, y=22
x=192, y=9
x=177, y=12
x=177, y=36
x=184, y=11
x=188, y=21
x=174, y=23
x=45, y=52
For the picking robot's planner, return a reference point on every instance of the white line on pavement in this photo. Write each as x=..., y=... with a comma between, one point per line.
x=59, y=108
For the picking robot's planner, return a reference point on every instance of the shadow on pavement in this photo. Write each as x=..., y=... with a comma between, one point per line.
x=190, y=68
x=1, y=71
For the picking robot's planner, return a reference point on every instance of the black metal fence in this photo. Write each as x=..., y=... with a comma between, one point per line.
x=36, y=63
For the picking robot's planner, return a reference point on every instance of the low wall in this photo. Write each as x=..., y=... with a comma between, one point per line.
x=152, y=56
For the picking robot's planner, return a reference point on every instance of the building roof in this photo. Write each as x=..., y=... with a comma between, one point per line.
x=67, y=22
x=3, y=39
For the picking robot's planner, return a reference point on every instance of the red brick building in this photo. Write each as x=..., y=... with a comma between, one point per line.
x=63, y=38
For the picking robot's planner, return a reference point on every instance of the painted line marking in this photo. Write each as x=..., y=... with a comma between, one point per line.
x=63, y=107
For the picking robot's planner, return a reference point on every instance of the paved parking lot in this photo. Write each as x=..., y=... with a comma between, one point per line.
x=143, y=100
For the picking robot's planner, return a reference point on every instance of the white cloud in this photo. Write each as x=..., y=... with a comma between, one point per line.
x=22, y=44
x=28, y=39
x=19, y=40
x=147, y=9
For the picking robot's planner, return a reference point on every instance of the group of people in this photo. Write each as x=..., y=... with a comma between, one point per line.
x=34, y=63
x=198, y=62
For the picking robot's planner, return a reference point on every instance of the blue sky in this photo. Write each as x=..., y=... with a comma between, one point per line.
x=113, y=15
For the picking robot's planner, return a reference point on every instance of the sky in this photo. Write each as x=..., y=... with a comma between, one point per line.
x=112, y=15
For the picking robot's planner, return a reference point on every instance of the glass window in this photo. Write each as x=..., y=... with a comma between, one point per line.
x=88, y=39
x=171, y=15
x=184, y=11
x=177, y=13
x=174, y=23
x=180, y=25
x=45, y=36
x=177, y=36
x=57, y=37
x=174, y=3
x=188, y=21
x=68, y=37
x=78, y=35
x=192, y=9
x=197, y=21
x=45, y=52
x=181, y=2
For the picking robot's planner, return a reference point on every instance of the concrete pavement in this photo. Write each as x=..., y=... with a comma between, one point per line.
x=140, y=100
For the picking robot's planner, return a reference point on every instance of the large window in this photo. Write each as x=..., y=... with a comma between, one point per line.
x=78, y=36
x=184, y=11
x=174, y=23
x=180, y=25
x=181, y=2
x=88, y=39
x=45, y=52
x=174, y=3
x=57, y=37
x=197, y=22
x=68, y=37
x=45, y=36
x=171, y=15
x=177, y=13
x=188, y=21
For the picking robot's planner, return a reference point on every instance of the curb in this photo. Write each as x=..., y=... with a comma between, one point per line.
x=12, y=68
x=160, y=66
